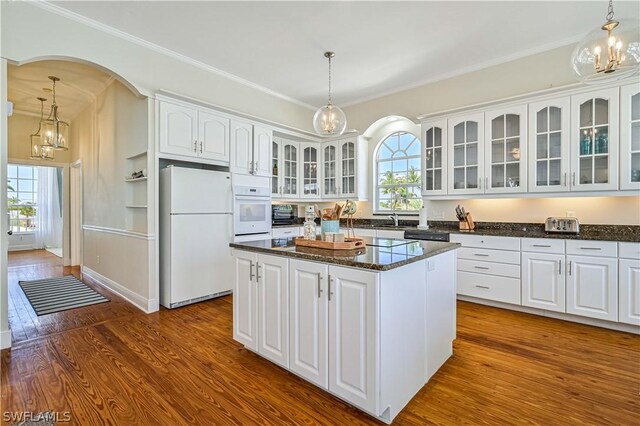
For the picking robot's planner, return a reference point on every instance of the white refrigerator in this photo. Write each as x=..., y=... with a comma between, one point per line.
x=196, y=227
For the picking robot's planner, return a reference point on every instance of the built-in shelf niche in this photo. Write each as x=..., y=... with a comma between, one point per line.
x=136, y=217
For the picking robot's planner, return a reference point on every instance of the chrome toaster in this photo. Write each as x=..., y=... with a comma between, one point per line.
x=564, y=225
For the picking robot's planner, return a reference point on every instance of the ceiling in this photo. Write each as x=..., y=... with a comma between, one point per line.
x=381, y=47
x=78, y=86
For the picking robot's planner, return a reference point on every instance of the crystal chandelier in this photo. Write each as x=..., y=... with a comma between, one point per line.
x=329, y=119
x=39, y=152
x=54, y=131
x=614, y=56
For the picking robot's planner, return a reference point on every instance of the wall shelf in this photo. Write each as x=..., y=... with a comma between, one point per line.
x=136, y=180
x=133, y=157
x=136, y=206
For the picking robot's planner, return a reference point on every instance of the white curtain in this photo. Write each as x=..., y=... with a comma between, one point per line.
x=49, y=213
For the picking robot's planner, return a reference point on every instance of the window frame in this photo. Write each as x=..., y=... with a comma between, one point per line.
x=377, y=210
x=15, y=182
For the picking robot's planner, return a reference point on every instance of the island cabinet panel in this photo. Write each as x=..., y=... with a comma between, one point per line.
x=245, y=308
x=308, y=321
x=272, y=277
x=353, y=343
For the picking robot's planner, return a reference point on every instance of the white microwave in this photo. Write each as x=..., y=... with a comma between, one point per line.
x=251, y=210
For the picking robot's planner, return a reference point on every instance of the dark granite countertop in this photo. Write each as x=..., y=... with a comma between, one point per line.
x=623, y=233
x=389, y=254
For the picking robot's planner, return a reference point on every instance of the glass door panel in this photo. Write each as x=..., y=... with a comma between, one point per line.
x=310, y=185
x=290, y=176
x=630, y=137
x=505, y=148
x=433, y=160
x=275, y=168
x=466, y=150
x=329, y=171
x=348, y=168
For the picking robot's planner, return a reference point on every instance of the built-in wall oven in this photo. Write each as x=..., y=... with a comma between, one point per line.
x=252, y=210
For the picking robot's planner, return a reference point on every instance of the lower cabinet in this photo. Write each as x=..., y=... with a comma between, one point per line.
x=629, y=305
x=592, y=287
x=543, y=281
x=260, y=311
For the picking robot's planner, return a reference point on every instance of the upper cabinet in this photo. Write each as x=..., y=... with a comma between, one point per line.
x=330, y=169
x=434, y=158
x=310, y=170
x=348, y=168
x=466, y=154
x=594, y=140
x=630, y=137
x=506, y=150
x=193, y=132
x=250, y=149
x=285, y=168
x=549, y=144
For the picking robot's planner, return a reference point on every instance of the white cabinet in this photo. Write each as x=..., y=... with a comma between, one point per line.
x=347, y=181
x=466, y=154
x=286, y=232
x=592, y=287
x=630, y=137
x=434, y=158
x=543, y=281
x=506, y=150
x=260, y=299
x=549, y=145
x=193, y=132
x=308, y=321
x=285, y=168
x=250, y=149
x=594, y=140
x=353, y=316
x=310, y=162
x=330, y=165
x=629, y=297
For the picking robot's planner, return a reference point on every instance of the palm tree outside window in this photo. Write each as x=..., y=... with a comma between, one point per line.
x=398, y=173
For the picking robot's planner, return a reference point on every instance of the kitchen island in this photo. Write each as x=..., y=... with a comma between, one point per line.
x=370, y=326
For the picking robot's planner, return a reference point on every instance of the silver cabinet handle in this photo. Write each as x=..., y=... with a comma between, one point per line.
x=200, y=147
x=479, y=183
x=250, y=167
x=573, y=179
x=559, y=267
x=195, y=146
x=483, y=286
x=570, y=262
x=257, y=272
x=590, y=248
x=319, y=288
x=480, y=255
x=486, y=183
x=251, y=270
x=564, y=179
x=541, y=245
x=256, y=166
x=481, y=267
x=287, y=232
x=330, y=292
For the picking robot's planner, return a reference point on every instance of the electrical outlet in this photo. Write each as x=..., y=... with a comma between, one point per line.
x=98, y=259
x=438, y=215
x=571, y=213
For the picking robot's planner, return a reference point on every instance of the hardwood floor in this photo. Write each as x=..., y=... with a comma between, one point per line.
x=23, y=321
x=181, y=367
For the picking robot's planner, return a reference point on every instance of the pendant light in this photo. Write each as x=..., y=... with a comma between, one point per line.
x=39, y=152
x=609, y=52
x=55, y=131
x=329, y=120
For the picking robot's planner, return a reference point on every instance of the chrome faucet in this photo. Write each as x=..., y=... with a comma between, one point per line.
x=394, y=217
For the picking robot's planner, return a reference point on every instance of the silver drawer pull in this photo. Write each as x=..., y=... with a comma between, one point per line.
x=481, y=267
x=483, y=286
x=590, y=248
x=541, y=245
x=287, y=232
x=480, y=255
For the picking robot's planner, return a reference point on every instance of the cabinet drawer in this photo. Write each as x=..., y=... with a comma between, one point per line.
x=501, y=269
x=500, y=256
x=500, y=289
x=592, y=248
x=286, y=232
x=486, y=241
x=543, y=245
x=629, y=250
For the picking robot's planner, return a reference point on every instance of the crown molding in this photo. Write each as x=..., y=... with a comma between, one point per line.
x=58, y=10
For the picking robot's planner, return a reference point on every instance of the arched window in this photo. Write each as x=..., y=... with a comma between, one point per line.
x=398, y=173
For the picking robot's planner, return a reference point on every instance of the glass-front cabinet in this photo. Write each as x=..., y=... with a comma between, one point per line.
x=549, y=123
x=339, y=169
x=594, y=140
x=284, y=168
x=630, y=137
x=330, y=169
x=310, y=170
x=434, y=158
x=276, y=166
x=466, y=154
x=347, y=185
x=506, y=150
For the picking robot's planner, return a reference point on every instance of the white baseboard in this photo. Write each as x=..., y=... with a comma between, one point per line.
x=146, y=305
x=5, y=339
x=557, y=315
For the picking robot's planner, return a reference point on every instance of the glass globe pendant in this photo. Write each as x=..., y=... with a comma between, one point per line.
x=55, y=132
x=611, y=52
x=329, y=120
x=39, y=152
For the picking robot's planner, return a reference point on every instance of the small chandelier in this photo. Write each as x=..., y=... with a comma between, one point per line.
x=329, y=119
x=39, y=152
x=54, y=131
x=597, y=58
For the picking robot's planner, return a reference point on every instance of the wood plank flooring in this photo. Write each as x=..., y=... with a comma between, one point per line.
x=23, y=321
x=182, y=367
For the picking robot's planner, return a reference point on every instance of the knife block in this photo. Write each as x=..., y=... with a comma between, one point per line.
x=468, y=224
